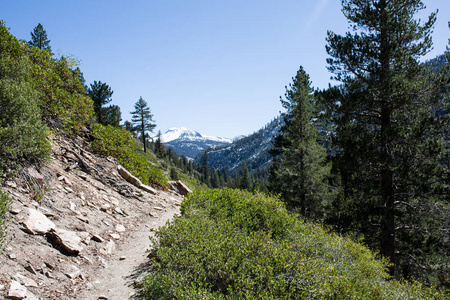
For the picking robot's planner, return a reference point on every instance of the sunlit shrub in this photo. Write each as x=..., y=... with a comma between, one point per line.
x=23, y=136
x=231, y=244
x=5, y=201
x=118, y=143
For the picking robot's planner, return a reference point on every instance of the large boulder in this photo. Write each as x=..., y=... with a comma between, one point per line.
x=37, y=223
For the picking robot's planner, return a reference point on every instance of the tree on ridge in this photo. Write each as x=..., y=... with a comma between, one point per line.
x=39, y=39
x=142, y=119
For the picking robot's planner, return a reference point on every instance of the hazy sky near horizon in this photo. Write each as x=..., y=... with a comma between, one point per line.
x=217, y=67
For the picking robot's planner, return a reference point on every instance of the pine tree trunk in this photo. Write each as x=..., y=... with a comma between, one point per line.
x=143, y=137
x=387, y=247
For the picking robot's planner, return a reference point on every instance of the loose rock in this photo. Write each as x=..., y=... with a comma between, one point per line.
x=16, y=291
x=37, y=223
x=69, y=241
x=120, y=228
x=73, y=272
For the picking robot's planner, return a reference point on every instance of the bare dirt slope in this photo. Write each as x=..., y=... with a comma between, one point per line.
x=77, y=229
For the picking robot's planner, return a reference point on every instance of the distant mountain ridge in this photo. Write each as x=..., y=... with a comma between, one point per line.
x=252, y=149
x=189, y=142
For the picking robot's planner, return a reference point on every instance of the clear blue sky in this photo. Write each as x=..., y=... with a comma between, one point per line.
x=215, y=66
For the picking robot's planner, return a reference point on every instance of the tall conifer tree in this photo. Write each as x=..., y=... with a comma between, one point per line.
x=388, y=140
x=300, y=170
x=142, y=119
x=39, y=39
x=101, y=94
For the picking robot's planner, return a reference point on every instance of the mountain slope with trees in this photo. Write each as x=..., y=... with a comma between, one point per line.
x=252, y=149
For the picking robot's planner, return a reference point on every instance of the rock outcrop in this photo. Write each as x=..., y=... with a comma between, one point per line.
x=179, y=187
x=135, y=181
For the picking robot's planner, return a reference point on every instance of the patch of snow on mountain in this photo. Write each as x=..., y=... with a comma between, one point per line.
x=184, y=134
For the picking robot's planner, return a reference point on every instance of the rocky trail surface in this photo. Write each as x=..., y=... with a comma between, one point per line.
x=78, y=228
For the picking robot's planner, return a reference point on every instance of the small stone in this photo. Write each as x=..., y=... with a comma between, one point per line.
x=49, y=265
x=115, y=236
x=11, y=184
x=85, y=236
x=97, y=238
x=82, y=176
x=103, y=297
x=30, y=269
x=105, y=207
x=72, y=206
x=119, y=211
x=74, y=272
x=15, y=211
x=67, y=181
x=158, y=208
x=120, y=228
x=34, y=203
x=49, y=274
x=68, y=189
x=122, y=258
x=60, y=178
x=110, y=246
x=12, y=256
x=83, y=219
x=106, y=223
x=114, y=201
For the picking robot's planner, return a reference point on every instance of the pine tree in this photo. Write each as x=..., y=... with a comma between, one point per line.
x=160, y=150
x=300, y=170
x=111, y=115
x=205, y=168
x=246, y=180
x=101, y=94
x=388, y=141
x=39, y=39
x=142, y=119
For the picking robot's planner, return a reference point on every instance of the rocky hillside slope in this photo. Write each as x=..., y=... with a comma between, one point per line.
x=77, y=228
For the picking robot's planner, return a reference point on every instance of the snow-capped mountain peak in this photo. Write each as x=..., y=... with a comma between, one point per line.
x=185, y=134
x=176, y=133
x=189, y=142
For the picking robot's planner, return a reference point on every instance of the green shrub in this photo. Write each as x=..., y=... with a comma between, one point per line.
x=23, y=135
x=231, y=244
x=118, y=143
x=5, y=201
x=62, y=96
